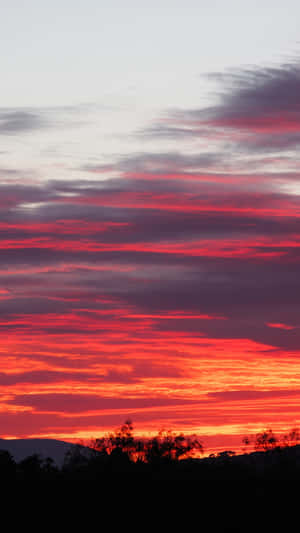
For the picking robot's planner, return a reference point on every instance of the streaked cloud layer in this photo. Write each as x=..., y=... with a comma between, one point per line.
x=161, y=285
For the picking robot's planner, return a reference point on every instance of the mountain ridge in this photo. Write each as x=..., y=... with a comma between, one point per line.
x=22, y=448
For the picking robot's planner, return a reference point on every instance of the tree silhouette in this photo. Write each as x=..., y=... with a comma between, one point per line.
x=266, y=440
x=31, y=467
x=226, y=453
x=122, y=441
x=171, y=446
x=7, y=465
x=165, y=445
x=77, y=458
x=292, y=438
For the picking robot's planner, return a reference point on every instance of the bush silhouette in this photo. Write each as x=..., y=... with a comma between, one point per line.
x=171, y=447
x=7, y=465
x=31, y=467
x=165, y=446
x=120, y=442
x=267, y=440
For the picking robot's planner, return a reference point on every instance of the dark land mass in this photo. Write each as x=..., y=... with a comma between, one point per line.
x=22, y=448
x=254, y=492
x=61, y=460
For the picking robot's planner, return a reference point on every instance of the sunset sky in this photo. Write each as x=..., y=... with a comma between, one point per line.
x=149, y=217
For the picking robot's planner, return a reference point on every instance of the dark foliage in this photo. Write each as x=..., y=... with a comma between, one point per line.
x=235, y=493
x=166, y=456
x=8, y=467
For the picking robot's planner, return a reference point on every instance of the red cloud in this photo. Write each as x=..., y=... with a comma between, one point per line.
x=148, y=295
x=279, y=325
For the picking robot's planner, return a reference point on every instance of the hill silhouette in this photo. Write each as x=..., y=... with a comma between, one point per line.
x=22, y=448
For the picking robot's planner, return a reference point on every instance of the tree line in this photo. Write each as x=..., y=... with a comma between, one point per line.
x=164, y=456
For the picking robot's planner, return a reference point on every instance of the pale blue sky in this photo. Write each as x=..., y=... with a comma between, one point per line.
x=119, y=65
x=63, y=51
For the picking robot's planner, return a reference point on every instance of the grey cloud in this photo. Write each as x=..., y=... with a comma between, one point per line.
x=252, y=93
x=230, y=286
x=43, y=377
x=26, y=119
x=19, y=121
x=80, y=403
x=163, y=131
x=263, y=102
x=241, y=395
x=162, y=162
x=271, y=142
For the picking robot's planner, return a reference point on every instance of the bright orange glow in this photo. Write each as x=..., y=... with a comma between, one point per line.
x=166, y=288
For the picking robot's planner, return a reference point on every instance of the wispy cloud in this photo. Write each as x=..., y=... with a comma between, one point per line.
x=258, y=109
x=19, y=121
x=163, y=284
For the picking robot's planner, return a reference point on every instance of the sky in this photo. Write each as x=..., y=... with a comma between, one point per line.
x=149, y=218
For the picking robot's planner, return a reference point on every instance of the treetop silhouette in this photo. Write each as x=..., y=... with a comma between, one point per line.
x=166, y=445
